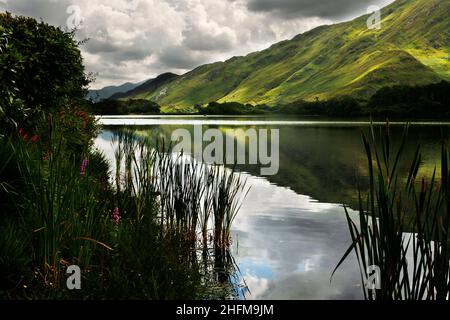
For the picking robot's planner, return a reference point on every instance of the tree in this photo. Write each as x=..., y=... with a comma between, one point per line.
x=40, y=68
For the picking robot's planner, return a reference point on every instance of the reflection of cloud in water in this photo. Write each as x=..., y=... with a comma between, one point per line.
x=258, y=285
x=103, y=143
x=300, y=240
x=309, y=264
x=264, y=193
x=269, y=200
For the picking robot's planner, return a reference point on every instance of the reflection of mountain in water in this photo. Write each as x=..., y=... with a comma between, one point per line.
x=327, y=163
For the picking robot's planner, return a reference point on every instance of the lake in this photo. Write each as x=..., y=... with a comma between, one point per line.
x=291, y=230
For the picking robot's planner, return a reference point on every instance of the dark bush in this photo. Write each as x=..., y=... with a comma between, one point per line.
x=429, y=101
x=232, y=108
x=339, y=107
x=119, y=107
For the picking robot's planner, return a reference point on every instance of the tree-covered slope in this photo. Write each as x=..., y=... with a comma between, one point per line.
x=412, y=47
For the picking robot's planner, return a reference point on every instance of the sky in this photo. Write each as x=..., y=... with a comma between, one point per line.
x=135, y=40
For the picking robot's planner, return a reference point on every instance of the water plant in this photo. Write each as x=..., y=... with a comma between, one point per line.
x=190, y=201
x=403, y=224
x=135, y=231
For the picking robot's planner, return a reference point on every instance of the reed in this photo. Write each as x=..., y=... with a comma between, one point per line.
x=59, y=202
x=194, y=204
x=403, y=224
x=193, y=197
x=135, y=232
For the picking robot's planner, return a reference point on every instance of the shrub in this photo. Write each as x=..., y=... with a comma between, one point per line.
x=231, y=108
x=119, y=107
x=40, y=69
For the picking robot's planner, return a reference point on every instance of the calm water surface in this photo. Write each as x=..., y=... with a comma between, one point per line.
x=291, y=230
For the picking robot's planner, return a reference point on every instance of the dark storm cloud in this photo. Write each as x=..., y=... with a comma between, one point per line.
x=180, y=58
x=330, y=9
x=38, y=9
x=201, y=40
x=115, y=52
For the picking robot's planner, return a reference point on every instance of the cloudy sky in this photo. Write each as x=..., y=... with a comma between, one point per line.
x=133, y=40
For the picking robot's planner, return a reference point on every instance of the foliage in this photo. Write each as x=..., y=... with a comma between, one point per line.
x=119, y=107
x=12, y=109
x=40, y=69
x=78, y=126
x=231, y=108
x=430, y=101
x=14, y=254
x=344, y=107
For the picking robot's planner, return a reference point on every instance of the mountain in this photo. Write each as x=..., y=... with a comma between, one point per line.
x=107, y=92
x=148, y=86
x=412, y=47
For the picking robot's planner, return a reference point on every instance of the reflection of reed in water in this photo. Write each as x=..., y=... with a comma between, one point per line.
x=221, y=274
x=195, y=203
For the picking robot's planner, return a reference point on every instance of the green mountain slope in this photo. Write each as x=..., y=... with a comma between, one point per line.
x=412, y=47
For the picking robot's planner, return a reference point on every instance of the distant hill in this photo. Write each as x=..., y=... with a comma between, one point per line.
x=107, y=92
x=146, y=87
x=411, y=48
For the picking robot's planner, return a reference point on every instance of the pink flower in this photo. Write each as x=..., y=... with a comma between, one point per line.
x=83, y=167
x=116, y=216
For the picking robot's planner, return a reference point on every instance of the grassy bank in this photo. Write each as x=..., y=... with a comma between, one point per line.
x=152, y=231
